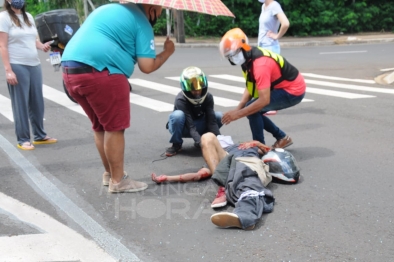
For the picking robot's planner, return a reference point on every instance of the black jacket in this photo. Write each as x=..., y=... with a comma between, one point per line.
x=193, y=112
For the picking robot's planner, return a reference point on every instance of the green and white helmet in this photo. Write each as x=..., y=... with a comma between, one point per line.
x=192, y=79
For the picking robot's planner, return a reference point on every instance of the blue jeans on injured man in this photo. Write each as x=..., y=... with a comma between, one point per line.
x=279, y=99
x=178, y=130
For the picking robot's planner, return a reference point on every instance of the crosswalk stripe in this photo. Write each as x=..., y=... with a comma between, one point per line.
x=307, y=100
x=228, y=88
x=6, y=108
x=339, y=78
x=61, y=99
x=230, y=77
x=221, y=101
x=242, y=80
x=351, y=87
x=387, y=69
x=326, y=92
x=151, y=103
x=322, y=83
x=218, y=86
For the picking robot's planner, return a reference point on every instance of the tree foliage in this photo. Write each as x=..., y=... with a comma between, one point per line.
x=307, y=18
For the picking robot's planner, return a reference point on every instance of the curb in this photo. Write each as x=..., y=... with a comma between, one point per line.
x=294, y=44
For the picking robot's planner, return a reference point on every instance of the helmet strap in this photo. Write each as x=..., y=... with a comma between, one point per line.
x=231, y=62
x=249, y=59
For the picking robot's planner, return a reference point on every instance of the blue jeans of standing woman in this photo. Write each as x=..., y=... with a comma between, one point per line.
x=177, y=127
x=258, y=122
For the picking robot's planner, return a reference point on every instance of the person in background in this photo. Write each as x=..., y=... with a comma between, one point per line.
x=193, y=113
x=272, y=83
x=271, y=18
x=18, y=48
x=97, y=63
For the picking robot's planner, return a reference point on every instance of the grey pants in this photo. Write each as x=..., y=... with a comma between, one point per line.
x=27, y=102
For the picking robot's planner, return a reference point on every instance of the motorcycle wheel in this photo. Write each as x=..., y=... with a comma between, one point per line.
x=68, y=95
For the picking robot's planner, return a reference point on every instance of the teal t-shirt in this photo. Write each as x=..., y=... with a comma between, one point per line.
x=113, y=37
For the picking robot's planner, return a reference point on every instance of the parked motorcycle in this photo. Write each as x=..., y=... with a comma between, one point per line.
x=58, y=27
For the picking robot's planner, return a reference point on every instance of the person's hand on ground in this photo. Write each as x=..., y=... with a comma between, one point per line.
x=158, y=179
x=263, y=149
x=247, y=145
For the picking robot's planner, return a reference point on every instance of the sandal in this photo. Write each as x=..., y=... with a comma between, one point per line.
x=26, y=146
x=46, y=140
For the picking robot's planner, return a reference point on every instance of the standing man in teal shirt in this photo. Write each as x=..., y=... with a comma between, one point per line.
x=96, y=64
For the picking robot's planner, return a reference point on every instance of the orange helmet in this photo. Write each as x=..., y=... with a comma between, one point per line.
x=233, y=41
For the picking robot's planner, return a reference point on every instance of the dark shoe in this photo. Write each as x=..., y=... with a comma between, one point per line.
x=283, y=143
x=172, y=151
x=227, y=219
x=220, y=199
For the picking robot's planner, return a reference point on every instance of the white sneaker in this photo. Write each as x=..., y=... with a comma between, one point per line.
x=126, y=185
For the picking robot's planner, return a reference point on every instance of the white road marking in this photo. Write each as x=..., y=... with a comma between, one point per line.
x=320, y=83
x=343, y=52
x=221, y=101
x=151, y=103
x=351, y=87
x=53, y=194
x=242, y=80
x=327, y=92
x=339, y=78
x=230, y=77
x=6, y=108
x=232, y=89
x=57, y=242
x=387, y=69
x=61, y=99
x=218, y=86
x=307, y=100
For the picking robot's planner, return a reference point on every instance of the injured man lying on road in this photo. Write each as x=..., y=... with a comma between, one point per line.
x=238, y=169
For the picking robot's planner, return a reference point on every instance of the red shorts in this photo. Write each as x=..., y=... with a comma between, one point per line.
x=105, y=98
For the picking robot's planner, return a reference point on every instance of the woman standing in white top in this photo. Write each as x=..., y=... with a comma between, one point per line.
x=271, y=17
x=18, y=49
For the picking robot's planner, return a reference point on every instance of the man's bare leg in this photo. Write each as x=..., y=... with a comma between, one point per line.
x=212, y=151
x=201, y=174
x=99, y=140
x=114, y=145
x=113, y=148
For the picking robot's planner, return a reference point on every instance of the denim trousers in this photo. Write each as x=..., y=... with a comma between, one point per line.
x=178, y=130
x=258, y=122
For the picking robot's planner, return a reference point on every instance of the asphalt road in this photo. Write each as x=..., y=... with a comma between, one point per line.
x=341, y=210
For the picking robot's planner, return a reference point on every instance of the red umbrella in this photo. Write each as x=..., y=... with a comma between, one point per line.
x=211, y=7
